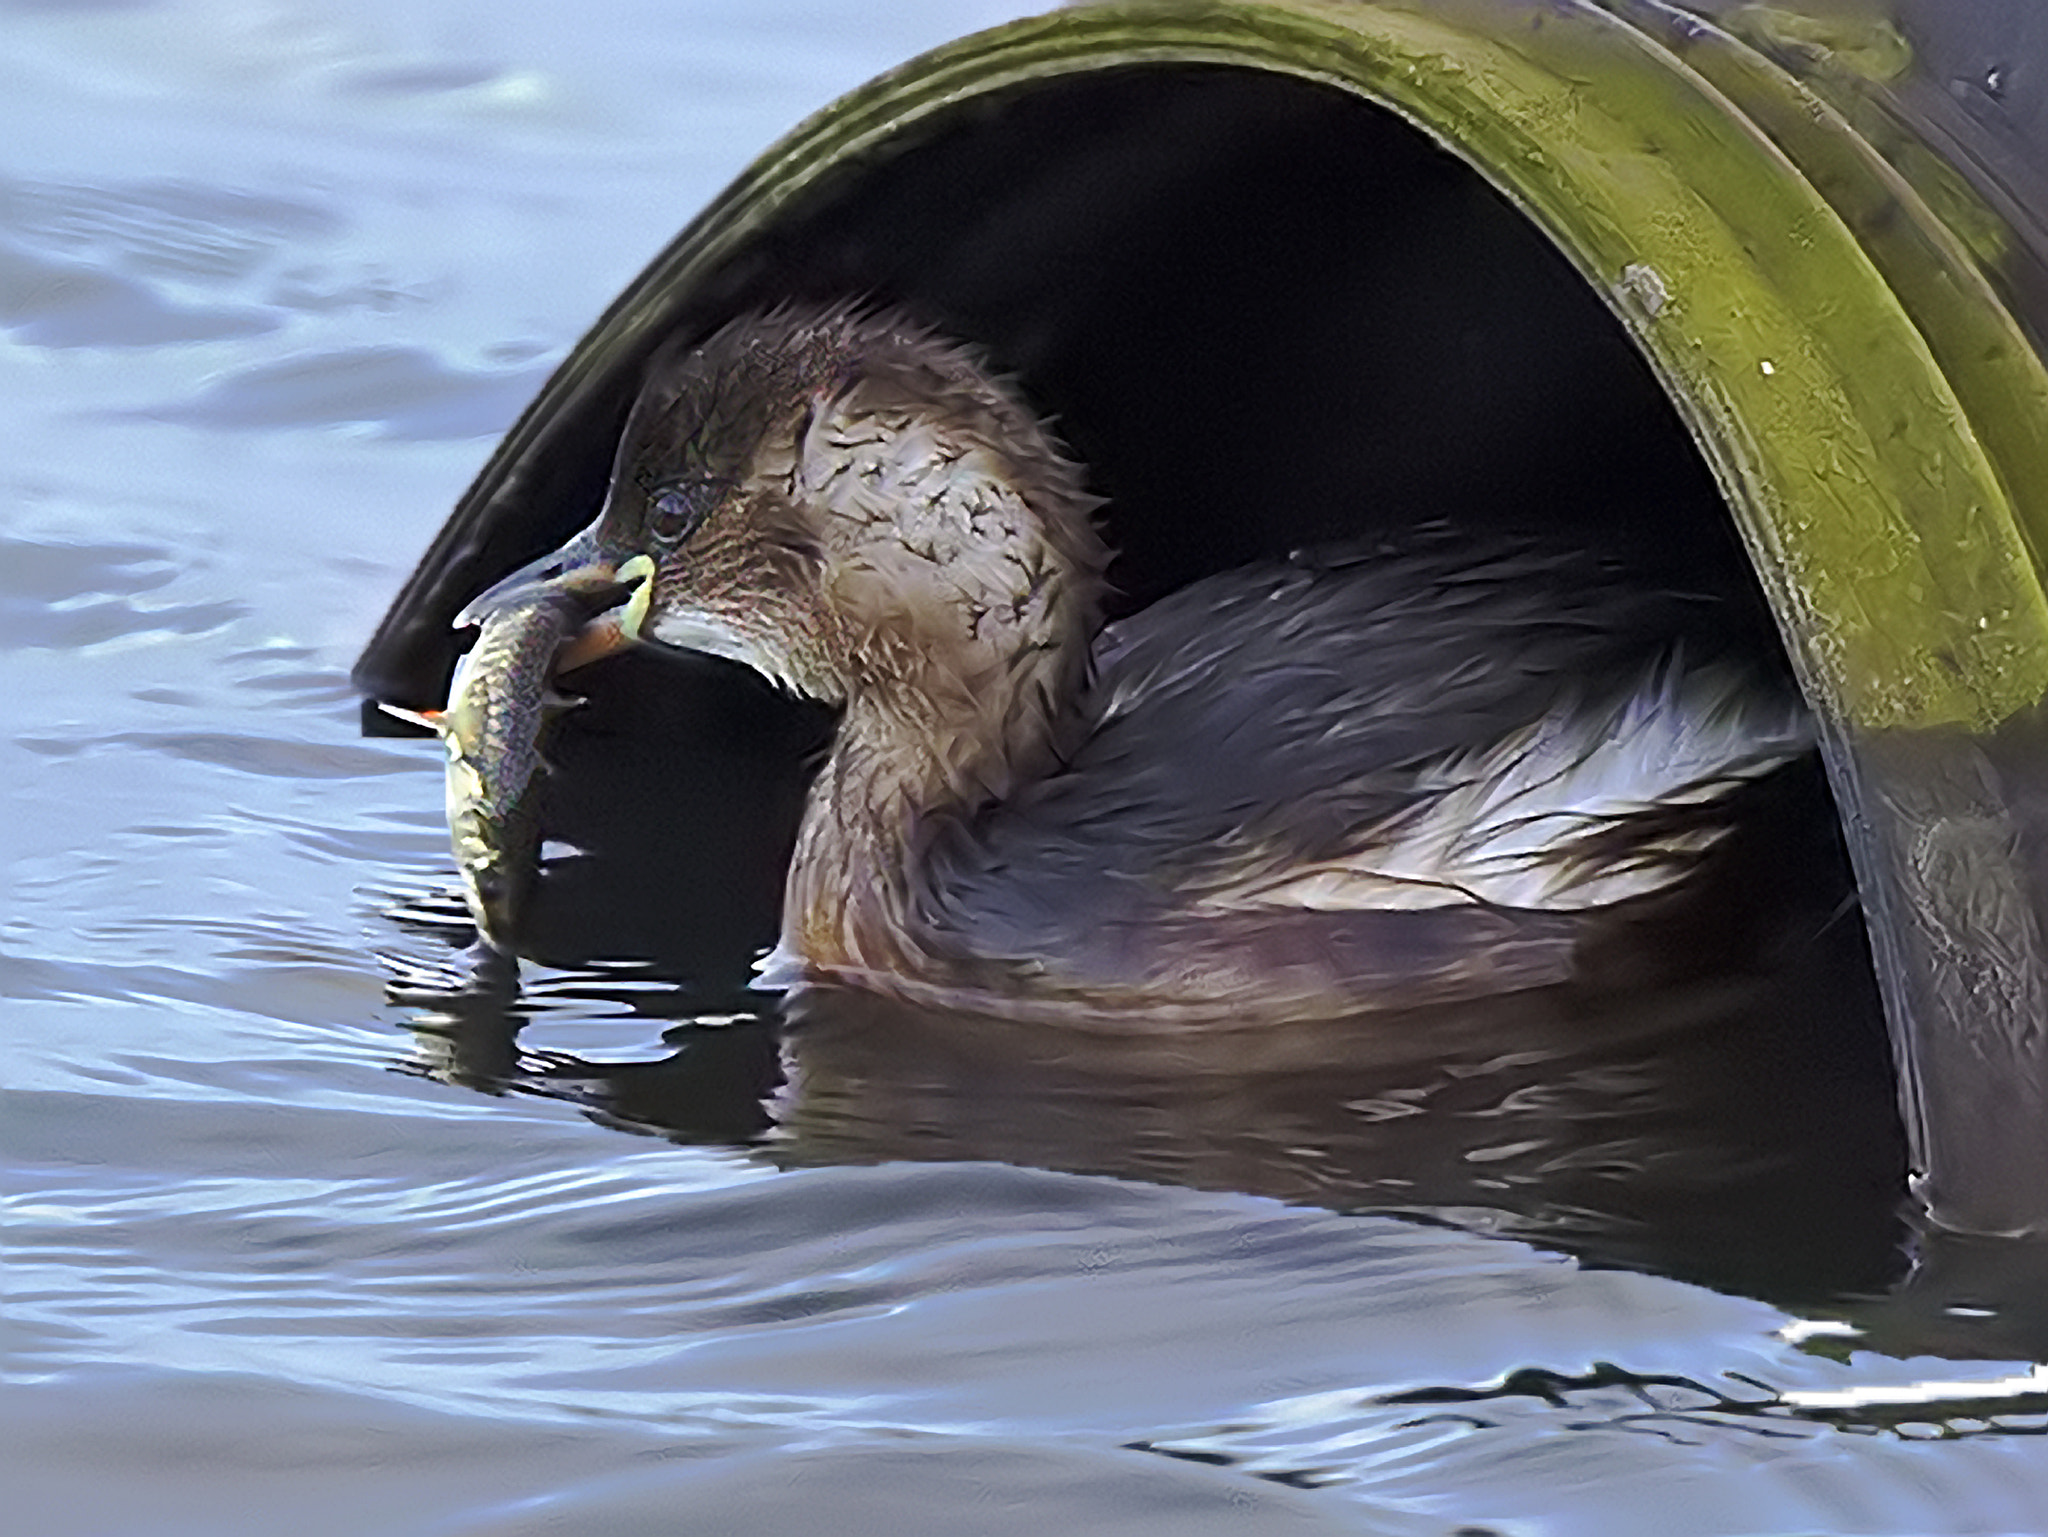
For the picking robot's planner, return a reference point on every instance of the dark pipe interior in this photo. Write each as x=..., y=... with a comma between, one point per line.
x=1267, y=313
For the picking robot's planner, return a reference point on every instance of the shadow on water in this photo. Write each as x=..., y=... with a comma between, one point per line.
x=1739, y=1135
x=1737, y=1131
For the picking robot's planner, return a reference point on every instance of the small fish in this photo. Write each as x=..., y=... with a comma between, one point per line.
x=501, y=698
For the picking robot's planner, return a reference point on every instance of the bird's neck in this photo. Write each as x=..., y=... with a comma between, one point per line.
x=960, y=579
x=916, y=752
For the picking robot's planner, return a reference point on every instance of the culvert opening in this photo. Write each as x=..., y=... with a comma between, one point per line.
x=1266, y=314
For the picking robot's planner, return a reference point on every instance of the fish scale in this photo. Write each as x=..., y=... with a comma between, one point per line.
x=499, y=702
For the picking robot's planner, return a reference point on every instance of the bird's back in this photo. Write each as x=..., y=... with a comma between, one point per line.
x=1389, y=774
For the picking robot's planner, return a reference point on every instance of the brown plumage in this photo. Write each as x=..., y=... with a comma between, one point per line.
x=1341, y=781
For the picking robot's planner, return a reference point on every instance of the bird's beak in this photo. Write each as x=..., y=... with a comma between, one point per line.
x=582, y=552
x=582, y=558
x=640, y=571
x=618, y=629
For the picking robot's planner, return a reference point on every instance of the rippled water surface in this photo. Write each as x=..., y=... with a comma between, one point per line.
x=294, y=1246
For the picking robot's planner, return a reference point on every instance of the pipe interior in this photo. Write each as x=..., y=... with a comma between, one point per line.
x=1267, y=313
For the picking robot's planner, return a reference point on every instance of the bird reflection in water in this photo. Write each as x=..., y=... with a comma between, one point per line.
x=1740, y=1134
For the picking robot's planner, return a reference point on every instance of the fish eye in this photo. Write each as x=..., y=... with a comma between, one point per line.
x=675, y=509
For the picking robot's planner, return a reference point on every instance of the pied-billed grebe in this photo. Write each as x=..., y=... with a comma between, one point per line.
x=1314, y=786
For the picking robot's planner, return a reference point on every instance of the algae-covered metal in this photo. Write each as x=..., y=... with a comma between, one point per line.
x=1819, y=222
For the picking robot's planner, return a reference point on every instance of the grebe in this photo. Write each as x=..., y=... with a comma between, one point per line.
x=1342, y=781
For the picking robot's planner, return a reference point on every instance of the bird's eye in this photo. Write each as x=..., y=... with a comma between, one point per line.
x=676, y=509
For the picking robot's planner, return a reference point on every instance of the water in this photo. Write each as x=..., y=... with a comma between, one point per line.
x=295, y=1243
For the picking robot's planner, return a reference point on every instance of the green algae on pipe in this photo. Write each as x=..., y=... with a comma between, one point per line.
x=1873, y=414
x=1887, y=539
x=1874, y=417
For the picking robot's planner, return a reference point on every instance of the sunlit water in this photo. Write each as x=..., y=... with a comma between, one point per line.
x=288, y=1251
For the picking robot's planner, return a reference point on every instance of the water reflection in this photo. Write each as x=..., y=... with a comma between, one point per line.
x=1740, y=1136
x=1739, y=1133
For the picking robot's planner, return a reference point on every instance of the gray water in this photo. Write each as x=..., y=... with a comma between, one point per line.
x=296, y=1245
